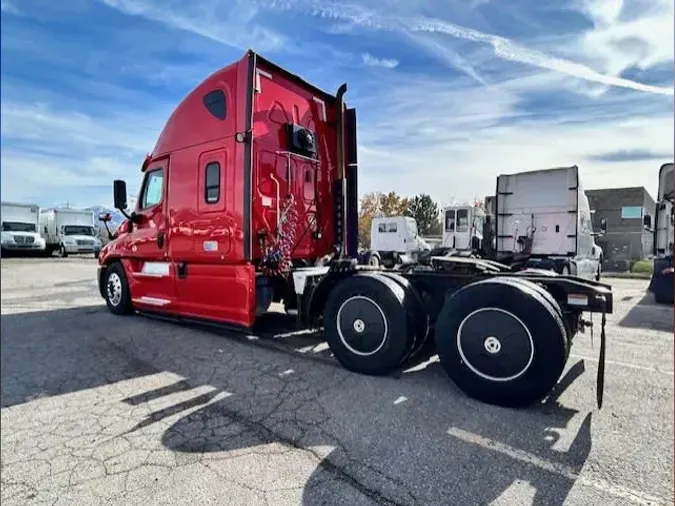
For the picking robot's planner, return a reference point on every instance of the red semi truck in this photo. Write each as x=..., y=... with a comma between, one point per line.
x=250, y=197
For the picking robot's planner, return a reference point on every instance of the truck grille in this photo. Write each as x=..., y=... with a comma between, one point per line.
x=23, y=239
x=83, y=242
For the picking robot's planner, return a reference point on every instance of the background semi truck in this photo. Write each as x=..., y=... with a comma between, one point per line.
x=395, y=240
x=257, y=202
x=69, y=231
x=464, y=230
x=661, y=283
x=538, y=219
x=20, y=227
x=543, y=220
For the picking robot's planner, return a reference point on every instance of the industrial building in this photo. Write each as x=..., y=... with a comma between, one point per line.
x=626, y=239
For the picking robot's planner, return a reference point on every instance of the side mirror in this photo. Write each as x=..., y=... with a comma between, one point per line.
x=647, y=221
x=120, y=194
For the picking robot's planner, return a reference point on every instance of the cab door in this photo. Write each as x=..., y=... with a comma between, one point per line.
x=149, y=268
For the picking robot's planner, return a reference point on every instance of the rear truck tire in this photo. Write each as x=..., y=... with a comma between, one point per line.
x=565, y=270
x=63, y=253
x=373, y=260
x=96, y=255
x=417, y=317
x=116, y=290
x=550, y=300
x=365, y=324
x=502, y=342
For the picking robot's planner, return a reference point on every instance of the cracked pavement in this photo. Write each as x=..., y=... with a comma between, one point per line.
x=99, y=409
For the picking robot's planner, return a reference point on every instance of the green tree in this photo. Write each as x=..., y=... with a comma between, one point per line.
x=426, y=214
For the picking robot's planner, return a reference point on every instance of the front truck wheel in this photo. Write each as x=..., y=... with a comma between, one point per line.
x=366, y=325
x=116, y=290
x=501, y=342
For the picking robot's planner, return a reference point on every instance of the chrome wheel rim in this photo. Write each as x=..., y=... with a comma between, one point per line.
x=114, y=289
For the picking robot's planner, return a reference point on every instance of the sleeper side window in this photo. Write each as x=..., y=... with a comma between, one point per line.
x=212, y=183
x=153, y=189
x=216, y=103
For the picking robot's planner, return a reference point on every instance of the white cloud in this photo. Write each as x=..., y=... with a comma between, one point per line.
x=444, y=53
x=231, y=23
x=502, y=47
x=47, y=152
x=373, y=61
x=632, y=34
x=418, y=133
x=452, y=142
x=8, y=7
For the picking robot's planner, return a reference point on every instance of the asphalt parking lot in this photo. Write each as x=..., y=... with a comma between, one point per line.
x=98, y=409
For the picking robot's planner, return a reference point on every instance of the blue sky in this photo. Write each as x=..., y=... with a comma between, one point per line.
x=449, y=92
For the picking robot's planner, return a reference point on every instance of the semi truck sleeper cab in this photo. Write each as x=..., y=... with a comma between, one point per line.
x=250, y=197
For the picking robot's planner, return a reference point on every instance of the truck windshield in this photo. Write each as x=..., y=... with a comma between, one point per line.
x=462, y=220
x=450, y=220
x=412, y=225
x=16, y=226
x=78, y=230
x=478, y=222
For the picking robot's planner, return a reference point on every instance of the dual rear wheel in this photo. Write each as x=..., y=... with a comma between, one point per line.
x=374, y=322
x=501, y=340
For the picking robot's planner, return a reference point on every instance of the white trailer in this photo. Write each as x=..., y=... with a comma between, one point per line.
x=545, y=216
x=70, y=231
x=395, y=240
x=20, y=227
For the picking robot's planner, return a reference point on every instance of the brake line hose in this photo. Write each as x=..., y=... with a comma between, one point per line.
x=277, y=260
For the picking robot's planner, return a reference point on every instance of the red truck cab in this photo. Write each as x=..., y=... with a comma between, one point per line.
x=245, y=178
x=250, y=197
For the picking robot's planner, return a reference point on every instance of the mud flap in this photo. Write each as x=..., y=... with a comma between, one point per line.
x=601, y=361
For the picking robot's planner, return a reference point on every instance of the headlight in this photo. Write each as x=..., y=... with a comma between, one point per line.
x=69, y=242
x=8, y=239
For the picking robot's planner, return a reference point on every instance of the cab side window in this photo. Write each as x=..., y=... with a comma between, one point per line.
x=153, y=189
x=212, y=183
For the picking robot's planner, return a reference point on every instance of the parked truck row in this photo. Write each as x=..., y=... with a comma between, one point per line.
x=250, y=196
x=27, y=228
x=536, y=220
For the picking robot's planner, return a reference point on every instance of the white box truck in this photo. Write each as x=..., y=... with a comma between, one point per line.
x=544, y=217
x=20, y=227
x=70, y=231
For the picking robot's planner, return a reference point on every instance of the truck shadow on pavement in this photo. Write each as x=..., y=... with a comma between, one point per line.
x=407, y=452
x=647, y=314
x=411, y=449
x=406, y=439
